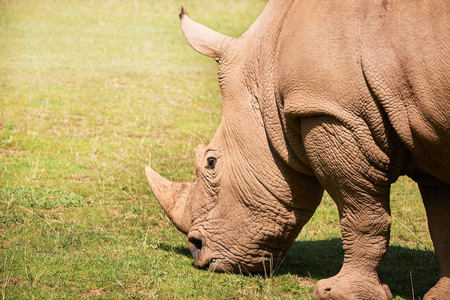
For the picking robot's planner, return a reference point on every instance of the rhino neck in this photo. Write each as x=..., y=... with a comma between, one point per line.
x=263, y=40
x=261, y=179
x=270, y=193
x=271, y=18
x=254, y=127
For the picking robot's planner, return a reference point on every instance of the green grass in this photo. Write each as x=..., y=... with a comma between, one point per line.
x=91, y=92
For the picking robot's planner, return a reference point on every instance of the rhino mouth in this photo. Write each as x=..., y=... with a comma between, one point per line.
x=196, y=246
x=206, y=259
x=264, y=266
x=203, y=258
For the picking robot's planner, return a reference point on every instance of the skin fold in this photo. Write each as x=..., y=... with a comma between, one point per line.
x=344, y=96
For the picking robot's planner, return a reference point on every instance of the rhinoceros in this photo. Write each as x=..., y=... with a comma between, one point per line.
x=342, y=96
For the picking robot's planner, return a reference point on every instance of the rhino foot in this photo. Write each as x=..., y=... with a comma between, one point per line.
x=351, y=286
x=440, y=291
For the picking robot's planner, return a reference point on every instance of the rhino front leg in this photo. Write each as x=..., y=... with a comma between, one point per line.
x=436, y=197
x=360, y=188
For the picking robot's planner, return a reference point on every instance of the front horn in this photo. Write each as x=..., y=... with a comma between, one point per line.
x=172, y=197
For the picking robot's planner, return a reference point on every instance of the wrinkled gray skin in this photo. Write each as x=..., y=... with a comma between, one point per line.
x=344, y=96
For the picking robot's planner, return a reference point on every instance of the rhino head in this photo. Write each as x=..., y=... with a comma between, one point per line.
x=252, y=197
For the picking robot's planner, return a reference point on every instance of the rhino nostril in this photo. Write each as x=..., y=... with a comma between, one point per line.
x=195, y=245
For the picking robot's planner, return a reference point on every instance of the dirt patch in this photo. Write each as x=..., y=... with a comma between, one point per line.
x=94, y=292
x=15, y=281
x=12, y=151
x=305, y=282
x=79, y=179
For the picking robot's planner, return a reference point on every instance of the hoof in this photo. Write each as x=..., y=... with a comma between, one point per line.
x=441, y=291
x=351, y=287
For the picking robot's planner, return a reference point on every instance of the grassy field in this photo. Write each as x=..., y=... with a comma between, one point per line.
x=91, y=92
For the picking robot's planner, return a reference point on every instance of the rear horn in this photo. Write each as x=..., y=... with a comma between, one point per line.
x=203, y=39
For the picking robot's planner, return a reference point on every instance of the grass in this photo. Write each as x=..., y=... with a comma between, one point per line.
x=91, y=92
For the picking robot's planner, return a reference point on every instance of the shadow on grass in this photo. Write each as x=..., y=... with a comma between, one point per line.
x=178, y=249
x=322, y=259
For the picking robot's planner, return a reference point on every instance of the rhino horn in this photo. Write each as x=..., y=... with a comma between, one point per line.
x=203, y=39
x=173, y=197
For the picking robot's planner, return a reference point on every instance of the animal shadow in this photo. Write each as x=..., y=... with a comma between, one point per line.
x=410, y=273
x=322, y=259
x=177, y=249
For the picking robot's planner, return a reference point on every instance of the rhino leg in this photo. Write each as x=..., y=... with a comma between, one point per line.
x=360, y=187
x=436, y=198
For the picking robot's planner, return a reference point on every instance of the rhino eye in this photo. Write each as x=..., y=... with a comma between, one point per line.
x=211, y=163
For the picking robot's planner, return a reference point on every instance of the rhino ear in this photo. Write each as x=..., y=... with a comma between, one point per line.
x=203, y=39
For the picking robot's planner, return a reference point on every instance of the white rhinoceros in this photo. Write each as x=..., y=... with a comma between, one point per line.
x=344, y=96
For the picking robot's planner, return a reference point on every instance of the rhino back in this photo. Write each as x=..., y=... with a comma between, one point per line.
x=376, y=64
